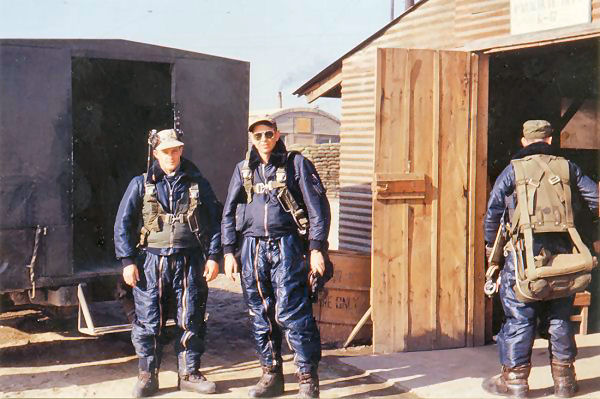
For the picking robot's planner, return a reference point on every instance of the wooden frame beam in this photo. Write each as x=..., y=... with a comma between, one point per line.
x=535, y=39
x=324, y=86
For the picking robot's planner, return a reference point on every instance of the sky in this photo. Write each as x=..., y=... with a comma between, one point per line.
x=286, y=42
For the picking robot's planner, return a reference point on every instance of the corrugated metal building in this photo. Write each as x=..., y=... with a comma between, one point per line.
x=432, y=106
x=303, y=125
x=430, y=24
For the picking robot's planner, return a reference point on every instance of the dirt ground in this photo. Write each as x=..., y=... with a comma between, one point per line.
x=46, y=357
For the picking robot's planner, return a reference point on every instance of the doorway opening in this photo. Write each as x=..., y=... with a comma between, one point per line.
x=558, y=83
x=114, y=105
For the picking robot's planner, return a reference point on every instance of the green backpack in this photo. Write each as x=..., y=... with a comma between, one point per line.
x=544, y=206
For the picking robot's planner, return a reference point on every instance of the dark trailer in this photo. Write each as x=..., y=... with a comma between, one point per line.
x=74, y=118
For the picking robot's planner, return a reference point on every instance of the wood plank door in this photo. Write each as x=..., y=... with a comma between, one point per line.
x=428, y=200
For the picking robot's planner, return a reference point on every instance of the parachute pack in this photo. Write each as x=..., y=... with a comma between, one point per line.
x=544, y=206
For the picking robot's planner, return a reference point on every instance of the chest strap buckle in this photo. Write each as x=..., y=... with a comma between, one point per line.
x=169, y=218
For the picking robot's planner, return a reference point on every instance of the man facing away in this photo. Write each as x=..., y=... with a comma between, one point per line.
x=518, y=331
x=165, y=261
x=275, y=260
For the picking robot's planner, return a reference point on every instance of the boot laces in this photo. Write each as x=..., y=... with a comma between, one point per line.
x=195, y=376
x=306, y=378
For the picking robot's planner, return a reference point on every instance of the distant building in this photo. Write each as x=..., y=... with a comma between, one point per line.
x=303, y=125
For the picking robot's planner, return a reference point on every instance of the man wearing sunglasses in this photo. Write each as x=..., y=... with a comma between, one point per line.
x=275, y=261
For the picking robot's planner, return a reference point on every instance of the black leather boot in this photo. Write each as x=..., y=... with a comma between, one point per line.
x=195, y=382
x=511, y=382
x=270, y=384
x=308, y=385
x=565, y=381
x=146, y=385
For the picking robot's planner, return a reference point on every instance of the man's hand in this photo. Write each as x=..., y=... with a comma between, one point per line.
x=231, y=266
x=131, y=275
x=211, y=270
x=317, y=263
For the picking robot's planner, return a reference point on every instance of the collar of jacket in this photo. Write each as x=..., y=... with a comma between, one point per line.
x=186, y=169
x=535, y=148
x=277, y=158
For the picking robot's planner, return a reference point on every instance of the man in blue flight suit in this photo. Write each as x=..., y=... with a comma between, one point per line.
x=518, y=331
x=179, y=245
x=276, y=261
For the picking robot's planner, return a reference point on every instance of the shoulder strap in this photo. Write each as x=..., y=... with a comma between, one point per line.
x=150, y=210
x=523, y=225
x=149, y=189
x=287, y=200
x=194, y=198
x=247, y=177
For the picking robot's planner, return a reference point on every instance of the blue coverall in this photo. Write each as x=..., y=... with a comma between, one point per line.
x=518, y=331
x=173, y=273
x=274, y=259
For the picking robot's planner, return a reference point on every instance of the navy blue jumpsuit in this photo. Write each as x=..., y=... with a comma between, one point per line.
x=274, y=259
x=518, y=331
x=172, y=274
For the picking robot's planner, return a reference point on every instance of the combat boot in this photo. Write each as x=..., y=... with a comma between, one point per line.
x=308, y=385
x=270, y=384
x=195, y=382
x=511, y=382
x=146, y=385
x=565, y=381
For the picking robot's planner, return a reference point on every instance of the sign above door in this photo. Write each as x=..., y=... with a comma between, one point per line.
x=537, y=15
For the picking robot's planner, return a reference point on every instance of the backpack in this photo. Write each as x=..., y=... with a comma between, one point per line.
x=544, y=206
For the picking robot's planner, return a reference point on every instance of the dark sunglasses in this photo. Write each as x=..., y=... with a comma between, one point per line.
x=269, y=134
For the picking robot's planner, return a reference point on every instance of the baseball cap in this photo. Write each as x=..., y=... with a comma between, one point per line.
x=167, y=139
x=264, y=119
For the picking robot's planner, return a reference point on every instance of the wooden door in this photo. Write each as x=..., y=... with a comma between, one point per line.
x=428, y=200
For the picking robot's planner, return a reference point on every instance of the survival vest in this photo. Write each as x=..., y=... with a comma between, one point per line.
x=285, y=198
x=544, y=206
x=167, y=230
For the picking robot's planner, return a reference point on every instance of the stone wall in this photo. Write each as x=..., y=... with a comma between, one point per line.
x=326, y=158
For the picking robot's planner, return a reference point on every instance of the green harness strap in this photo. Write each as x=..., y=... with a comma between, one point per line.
x=247, y=177
x=285, y=198
x=153, y=212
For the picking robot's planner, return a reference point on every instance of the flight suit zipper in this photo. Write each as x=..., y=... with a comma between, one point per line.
x=172, y=209
x=160, y=293
x=184, y=297
x=266, y=201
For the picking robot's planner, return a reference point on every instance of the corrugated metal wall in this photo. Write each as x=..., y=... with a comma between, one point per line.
x=482, y=19
x=436, y=24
